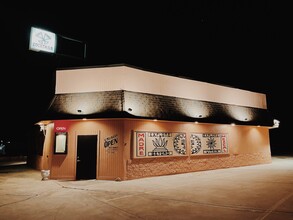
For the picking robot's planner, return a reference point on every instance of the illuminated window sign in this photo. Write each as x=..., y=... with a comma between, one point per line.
x=42, y=40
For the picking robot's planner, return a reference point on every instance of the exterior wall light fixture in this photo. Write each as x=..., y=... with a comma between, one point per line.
x=43, y=128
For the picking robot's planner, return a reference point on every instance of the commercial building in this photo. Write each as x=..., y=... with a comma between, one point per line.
x=121, y=122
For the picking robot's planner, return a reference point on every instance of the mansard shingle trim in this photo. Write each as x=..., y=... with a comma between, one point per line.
x=128, y=104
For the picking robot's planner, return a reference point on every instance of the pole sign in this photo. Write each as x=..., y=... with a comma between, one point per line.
x=42, y=40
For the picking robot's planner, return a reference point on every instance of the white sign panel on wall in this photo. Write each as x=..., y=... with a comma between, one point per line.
x=42, y=40
x=159, y=144
x=205, y=143
x=163, y=144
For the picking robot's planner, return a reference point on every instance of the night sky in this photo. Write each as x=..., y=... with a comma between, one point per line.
x=238, y=44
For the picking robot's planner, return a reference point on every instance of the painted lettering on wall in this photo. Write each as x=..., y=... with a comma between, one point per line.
x=224, y=144
x=195, y=144
x=140, y=143
x=180, y=143
x=158, y=144
x=207, y=143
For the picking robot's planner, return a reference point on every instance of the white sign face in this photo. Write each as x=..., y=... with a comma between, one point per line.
x=206, y=143
x=159, y=144
x=41, y=40
x=163, y=144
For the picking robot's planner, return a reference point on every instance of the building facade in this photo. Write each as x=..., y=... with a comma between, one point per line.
x=121, y=122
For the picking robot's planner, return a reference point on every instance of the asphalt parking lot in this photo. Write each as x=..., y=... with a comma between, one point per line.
x=252, y=192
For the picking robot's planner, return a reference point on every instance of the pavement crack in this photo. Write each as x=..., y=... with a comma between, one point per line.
x=275, y=206
x=6, y=204
x=115, y=207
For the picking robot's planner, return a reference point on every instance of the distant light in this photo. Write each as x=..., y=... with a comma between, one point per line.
x=42, y=40
x=232, y=124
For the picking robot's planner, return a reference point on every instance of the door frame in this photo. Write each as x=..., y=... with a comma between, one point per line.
x=97, y=148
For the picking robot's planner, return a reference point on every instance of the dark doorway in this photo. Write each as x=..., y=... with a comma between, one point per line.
x=86, y=158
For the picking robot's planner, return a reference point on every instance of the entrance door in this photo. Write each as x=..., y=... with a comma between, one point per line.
x=86, y=158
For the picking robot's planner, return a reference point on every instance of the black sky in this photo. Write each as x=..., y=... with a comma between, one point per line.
x=242, y=44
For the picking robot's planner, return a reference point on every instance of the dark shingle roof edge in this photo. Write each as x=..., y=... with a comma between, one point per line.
x=126, y=104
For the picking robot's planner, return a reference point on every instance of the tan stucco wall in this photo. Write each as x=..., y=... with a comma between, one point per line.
x=132, y=79
x=248, y=145
x=109, y=165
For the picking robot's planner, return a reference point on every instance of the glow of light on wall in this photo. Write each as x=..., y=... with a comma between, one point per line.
x=240, y=113
x=82, y=106
x=256, y=133
x=133, y=107
x=193, y=109
x=82, y=109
